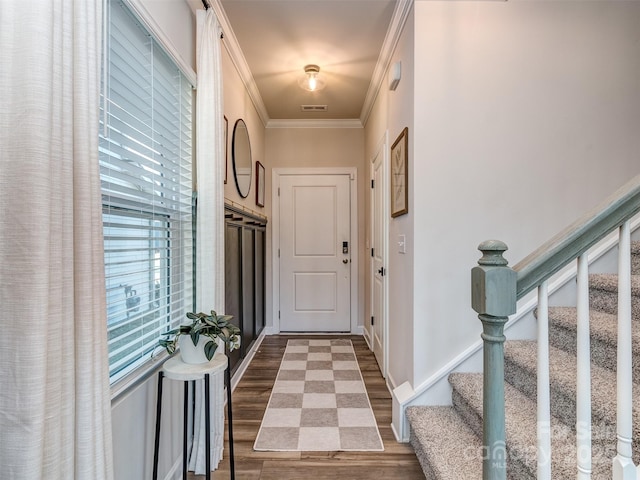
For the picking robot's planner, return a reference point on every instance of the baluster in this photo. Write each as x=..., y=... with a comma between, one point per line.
x=583, y=404
x=493, y=297
x=544, y=408
x=623, y=467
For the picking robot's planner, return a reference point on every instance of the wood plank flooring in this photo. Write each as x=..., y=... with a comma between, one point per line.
x=250, y=398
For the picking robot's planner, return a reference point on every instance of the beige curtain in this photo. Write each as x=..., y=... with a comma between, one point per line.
x=210, y=220
x=55, y=408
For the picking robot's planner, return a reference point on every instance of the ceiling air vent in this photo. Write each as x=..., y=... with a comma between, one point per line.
x=313, y=108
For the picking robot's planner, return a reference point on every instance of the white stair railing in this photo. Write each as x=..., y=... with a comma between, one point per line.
x=623, y=467
x=583, y=352
x=493, y=285
x=544, y=396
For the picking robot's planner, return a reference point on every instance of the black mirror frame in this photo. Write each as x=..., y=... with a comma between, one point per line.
x=234, y=154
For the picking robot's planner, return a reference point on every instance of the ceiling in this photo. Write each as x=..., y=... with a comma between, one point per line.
x=277, y=38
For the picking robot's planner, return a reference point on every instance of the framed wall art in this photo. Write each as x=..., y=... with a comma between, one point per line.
x=259, y=184
x=400, y=174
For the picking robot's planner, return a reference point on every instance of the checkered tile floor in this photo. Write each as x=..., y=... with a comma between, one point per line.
x=319, y=402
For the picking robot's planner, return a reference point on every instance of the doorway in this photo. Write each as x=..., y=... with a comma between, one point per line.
x=378, y=280
x=315, y=250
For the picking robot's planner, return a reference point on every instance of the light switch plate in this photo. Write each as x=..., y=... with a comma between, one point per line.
x=402, y=244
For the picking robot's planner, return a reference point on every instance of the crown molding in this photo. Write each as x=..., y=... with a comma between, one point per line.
x=316, y=123
x=400, y=15
x=237, y=57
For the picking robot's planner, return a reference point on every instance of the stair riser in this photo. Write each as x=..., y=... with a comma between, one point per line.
x=429, y=474
x=608, y=302
x=563, y=407
x=472, y=418
x=445, y=446
x=516, y=469
x=603, y=353
x=635, y=258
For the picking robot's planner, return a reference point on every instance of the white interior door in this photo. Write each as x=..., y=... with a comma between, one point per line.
x=315, y=253
x=378, y=259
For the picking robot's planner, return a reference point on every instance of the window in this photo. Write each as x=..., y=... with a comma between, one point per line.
x=145, y=171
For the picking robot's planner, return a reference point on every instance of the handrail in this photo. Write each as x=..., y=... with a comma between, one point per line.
x=578, y=237
x=495, y=289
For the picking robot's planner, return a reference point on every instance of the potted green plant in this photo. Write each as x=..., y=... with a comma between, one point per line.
x=199, y=340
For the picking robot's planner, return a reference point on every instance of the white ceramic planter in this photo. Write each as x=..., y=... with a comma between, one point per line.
x=194, y=354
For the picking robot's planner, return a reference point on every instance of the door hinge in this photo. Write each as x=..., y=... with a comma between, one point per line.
x=278, y=253
x=373, y=183
x=372, y=253
x=278, y=314
x=278, y=191
x=372, y=320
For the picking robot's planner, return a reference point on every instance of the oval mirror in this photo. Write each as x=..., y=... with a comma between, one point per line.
x=241, y=153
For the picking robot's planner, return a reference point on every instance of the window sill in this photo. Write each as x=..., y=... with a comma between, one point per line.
x=121, y=388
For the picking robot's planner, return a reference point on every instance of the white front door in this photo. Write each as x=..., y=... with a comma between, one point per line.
x=378, y=258
x=315, y=253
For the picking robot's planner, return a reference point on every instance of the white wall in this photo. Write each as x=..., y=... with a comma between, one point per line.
x=526, y=115
x=133, y=426
x=172, y=17
x=238, y=105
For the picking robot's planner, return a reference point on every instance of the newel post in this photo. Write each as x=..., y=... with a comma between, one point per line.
x=493, y=297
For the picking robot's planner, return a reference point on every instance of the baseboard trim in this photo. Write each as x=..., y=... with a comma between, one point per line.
x=358, y=330
x=271, y=330
x=237, y=376
x=367, y=338
x=396, y=435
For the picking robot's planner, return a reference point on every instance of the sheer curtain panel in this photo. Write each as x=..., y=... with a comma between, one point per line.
x=210, y=218
x=55, y=409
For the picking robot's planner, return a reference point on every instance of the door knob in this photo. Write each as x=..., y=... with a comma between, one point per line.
x=381, y=271
x=345, y=260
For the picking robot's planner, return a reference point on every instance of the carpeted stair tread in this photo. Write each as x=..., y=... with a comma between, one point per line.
x=603, y=293
x=445, y=446
x=604, y=336
x=520, y=363
x=520, y=426
x=609, y=282
x=520, y=370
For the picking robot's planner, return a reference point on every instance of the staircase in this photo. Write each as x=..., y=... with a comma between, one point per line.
x=448, y=439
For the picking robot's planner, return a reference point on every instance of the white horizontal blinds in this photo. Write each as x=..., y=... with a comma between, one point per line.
x=145, y=168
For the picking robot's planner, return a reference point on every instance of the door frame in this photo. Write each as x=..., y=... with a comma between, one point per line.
x=383, y=151
x=276, y=174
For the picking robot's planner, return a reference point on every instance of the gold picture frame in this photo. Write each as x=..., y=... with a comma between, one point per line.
x=400, y=174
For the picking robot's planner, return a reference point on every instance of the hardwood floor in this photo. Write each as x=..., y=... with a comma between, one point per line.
x=250, y=398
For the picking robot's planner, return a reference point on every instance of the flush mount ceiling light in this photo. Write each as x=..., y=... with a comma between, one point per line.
x=312, y=81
